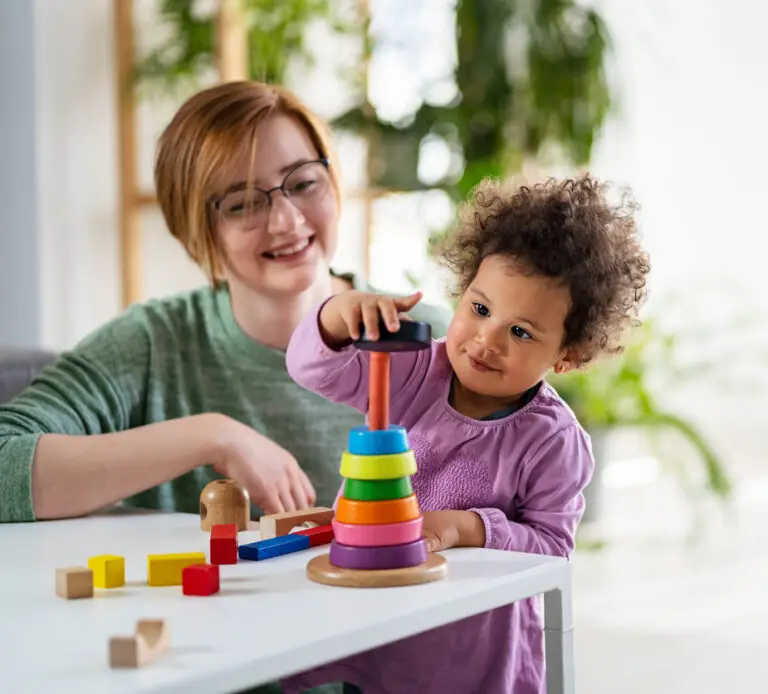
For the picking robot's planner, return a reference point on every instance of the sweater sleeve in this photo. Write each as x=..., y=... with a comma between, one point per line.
x=550, y=501
x=97, y=387
x=341, y=375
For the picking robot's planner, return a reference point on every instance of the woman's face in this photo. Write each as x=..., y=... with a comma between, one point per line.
x=277, y=244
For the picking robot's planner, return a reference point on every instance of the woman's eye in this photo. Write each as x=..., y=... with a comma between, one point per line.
x=302, y=186
x=520, y=333
x=480, y=309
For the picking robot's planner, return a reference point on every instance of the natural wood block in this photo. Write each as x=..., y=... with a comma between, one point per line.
x=279, y=524
x=73, y=582
x=149, y=641
x=223, y=502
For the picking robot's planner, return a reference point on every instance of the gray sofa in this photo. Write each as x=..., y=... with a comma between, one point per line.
x=18, y=367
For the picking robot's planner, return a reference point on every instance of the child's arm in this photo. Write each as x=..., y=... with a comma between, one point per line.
x=550, y=502
x=321, y=357
x=547, y=509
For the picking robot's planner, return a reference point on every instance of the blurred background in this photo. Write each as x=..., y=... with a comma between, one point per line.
x=666, y=98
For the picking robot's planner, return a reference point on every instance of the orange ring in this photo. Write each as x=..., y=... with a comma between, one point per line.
x=373, y=512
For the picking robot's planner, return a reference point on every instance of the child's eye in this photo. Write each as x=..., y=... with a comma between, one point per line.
x=520, y=333
x=480, y=309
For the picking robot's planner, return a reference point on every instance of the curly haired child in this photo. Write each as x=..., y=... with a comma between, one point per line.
x=549, y=277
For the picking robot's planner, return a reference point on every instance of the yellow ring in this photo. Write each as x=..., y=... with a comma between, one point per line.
x=377, y=467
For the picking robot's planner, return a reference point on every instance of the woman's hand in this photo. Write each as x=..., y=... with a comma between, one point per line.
x=446, y=529
x=267, y=471
x=341, y=316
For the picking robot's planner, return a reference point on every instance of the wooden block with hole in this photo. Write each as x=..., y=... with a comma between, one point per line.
x=149, y=641
x=73, y=582
x=166, y=569
x=108, y=570
x=279, y=524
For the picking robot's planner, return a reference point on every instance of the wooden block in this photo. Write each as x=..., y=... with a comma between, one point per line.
x=224, y=544
x=320, y=535
x=108, y=570
x=273, y=547
x=200, y=579
x=73, y=582
x=165, y=569
x=280, y=524
x=149, y=641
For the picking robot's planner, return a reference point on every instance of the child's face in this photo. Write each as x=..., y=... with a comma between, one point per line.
x=507, y=331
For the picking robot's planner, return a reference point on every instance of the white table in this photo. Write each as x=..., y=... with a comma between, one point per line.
x=267, y=622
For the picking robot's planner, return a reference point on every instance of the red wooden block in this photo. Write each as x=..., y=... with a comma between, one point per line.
x=224, y=544
x=319, y=535
x=200, y=579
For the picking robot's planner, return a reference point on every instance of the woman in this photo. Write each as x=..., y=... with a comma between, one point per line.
x=176, y=392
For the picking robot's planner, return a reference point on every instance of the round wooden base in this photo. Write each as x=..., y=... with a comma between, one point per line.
x=320, y=570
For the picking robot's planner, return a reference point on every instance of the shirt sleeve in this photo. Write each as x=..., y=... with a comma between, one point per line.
x=341, y=375
x=550, y=500
x=97, y=387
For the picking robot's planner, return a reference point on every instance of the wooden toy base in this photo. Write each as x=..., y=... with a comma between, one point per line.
x=320, y=570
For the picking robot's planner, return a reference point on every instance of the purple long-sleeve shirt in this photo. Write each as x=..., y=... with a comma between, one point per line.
x=523, y=475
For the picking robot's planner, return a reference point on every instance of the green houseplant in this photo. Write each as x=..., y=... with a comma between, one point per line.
x=623, y=391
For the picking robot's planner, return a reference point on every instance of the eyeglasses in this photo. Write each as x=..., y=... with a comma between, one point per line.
x=304, y=185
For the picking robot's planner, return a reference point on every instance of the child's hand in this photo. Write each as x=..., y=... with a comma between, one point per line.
x=341, y=316
x=446, y=529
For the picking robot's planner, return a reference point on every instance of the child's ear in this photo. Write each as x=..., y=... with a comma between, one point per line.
x=566, y=363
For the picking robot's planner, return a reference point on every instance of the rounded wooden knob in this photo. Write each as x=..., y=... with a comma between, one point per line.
x=223, y=502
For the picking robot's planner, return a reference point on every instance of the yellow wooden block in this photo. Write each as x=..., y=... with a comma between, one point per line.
x=108, y=570
x=165, y=569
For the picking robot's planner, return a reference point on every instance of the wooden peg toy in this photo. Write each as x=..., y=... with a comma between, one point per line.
x=224, y=544
x=108, y=570
x=377, y=538
x=278, y=524
x=150, y=640
x=223, y=502
x=74, y=582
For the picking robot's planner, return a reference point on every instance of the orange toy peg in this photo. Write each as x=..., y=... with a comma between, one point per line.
x=378, y=391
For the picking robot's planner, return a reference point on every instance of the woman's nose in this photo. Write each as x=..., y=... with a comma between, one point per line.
x=284, y=216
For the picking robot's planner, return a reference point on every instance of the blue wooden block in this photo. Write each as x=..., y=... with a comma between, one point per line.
x=274, y=547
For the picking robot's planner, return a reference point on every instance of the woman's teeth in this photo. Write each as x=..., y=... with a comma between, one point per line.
x=291, y=250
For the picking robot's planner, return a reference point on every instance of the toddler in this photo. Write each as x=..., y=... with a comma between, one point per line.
x=548, y=277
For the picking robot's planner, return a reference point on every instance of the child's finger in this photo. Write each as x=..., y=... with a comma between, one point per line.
x=389, y=314
x=352, y=319
x=408, y=302
x=371, y=314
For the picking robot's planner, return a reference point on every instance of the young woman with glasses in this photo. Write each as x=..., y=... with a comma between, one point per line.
x=177, y=391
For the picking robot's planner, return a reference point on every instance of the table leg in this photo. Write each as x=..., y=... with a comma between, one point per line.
x=558, y=640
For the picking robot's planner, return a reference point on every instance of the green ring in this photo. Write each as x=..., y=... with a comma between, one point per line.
x=378, y=490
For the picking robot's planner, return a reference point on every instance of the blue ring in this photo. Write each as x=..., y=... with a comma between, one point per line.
x=363, y=441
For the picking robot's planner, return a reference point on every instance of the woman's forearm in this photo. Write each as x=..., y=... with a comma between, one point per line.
x=75, y=475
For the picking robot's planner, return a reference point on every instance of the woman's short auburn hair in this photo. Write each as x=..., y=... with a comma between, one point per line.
x=199, y=148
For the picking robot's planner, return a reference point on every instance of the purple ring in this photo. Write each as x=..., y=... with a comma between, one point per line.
x=378, y=558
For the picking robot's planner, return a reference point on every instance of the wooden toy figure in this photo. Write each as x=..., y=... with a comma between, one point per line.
x=378, y=522
x=223, y=502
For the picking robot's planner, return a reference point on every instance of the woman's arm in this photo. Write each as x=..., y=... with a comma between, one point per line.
x=75, y=475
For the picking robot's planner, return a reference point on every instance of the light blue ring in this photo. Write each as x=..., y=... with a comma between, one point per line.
x=363, y=441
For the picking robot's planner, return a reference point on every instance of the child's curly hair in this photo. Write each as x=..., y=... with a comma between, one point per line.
x=565, y=230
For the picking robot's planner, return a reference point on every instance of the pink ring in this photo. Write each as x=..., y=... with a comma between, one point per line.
x=377, y=535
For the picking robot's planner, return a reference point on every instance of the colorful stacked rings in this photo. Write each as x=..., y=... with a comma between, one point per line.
x=378, y=521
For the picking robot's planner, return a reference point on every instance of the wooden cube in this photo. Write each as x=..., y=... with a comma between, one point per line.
x=200, y=579
x=73, y=582
x=224, y=544
x=108, y=570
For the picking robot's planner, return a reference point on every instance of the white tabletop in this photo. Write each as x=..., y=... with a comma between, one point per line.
x=267, y=622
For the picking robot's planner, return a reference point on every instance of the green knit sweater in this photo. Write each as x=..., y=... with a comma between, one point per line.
x=171, y=358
